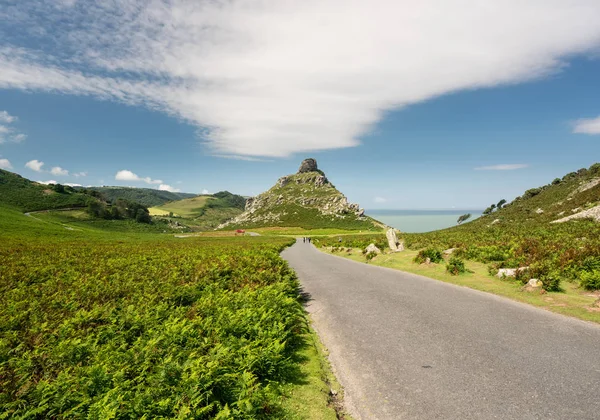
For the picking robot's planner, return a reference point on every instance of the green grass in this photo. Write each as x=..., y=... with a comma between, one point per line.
x=188, y=208
x=298, y=231
x=146, y=196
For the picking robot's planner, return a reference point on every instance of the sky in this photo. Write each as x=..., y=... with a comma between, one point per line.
x=436, y=105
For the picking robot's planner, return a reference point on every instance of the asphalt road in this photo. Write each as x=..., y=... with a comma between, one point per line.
x=408, y=347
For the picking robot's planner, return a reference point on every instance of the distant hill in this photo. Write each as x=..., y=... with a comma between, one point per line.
x=203, y=212
x=27, y=195
x=306, y=199
x=145, y=196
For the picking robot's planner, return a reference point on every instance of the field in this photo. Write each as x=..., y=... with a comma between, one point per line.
x=126, y=324
x=188, y=208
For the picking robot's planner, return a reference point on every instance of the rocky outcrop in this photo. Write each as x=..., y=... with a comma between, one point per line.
x=593, y=213
x=308, y=165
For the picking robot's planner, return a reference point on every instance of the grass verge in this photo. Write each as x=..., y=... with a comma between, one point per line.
x=573, y=301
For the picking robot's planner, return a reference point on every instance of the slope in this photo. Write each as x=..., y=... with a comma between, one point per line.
x=27, y=195
x=146, y=196
x=307, y=200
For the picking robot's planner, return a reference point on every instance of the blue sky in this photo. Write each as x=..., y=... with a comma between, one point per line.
x=403, y=106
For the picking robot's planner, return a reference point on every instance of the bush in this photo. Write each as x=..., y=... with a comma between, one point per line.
x=455, y=266
x=370, y=255
x=434, y=255
x=551, y=282
x=590, y=280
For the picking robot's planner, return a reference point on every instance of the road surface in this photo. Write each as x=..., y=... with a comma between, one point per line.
x=408, y=347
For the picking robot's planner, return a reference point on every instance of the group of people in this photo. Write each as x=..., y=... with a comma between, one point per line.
x=306, y=239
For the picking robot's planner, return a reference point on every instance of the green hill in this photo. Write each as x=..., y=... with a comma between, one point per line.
x=145, y=196
x=27, y=195
x=203, y=212
x=307, y=200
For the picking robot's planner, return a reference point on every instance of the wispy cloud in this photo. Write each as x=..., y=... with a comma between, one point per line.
x=35, y=165
x=7, y=131
x=273, y=78
x=79, y=174
x=502, y=167
x=126, y=175
x=5, y=117
x=165, y=187
x=5, y=164
x=380, y=200
x=58, y=171
x=49, y=182
x=587, y=126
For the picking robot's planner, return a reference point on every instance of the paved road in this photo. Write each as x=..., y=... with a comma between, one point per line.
x=407, y=347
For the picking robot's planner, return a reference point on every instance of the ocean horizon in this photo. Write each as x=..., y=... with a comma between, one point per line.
x=419, y=221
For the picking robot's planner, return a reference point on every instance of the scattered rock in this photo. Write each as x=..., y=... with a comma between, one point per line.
x=495, y=221
x=534, y=283
x=372, y=248
x=539, y=211
x=427, y=260
x=308, y=165
x=282, y=182
x=561, y=213
x=400, y=246
x=449, y=251
x=509, y=272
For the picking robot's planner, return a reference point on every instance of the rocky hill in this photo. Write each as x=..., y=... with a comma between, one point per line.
x=574, y=196
x=305, y=199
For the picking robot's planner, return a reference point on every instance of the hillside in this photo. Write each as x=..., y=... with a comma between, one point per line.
x=203, y=212
x=27, y=195
x=146, y=196
x=306, y=199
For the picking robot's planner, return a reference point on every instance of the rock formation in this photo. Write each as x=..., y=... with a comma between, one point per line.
x=302, y=199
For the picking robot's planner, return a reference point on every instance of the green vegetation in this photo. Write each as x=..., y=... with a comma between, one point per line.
x=115, y=324
x=30, y=196
x=434, y=256
x=463, y=218
x=204, y=212
x=147, y=197
x=456, y=266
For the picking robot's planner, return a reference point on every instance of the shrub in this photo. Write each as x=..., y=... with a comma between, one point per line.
x=434, y=255
x=551, y=282
x=590, y=280
x=456, y=266
x=370, y=255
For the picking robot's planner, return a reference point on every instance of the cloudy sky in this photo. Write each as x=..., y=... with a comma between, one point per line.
x=431, y=104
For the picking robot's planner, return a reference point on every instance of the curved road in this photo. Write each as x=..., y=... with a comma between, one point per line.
x=408, y=347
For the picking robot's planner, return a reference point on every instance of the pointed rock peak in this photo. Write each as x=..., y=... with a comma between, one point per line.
x=308, y=165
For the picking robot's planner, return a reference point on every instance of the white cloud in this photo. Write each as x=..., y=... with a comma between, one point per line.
x=58, y=171
x=205, y=191
x=9, y=133
x=272, y=78
x=72, y=185
x=587, y=126
x=79, y=174
x=126, y=175
x=35, y=165
x=165, y=187
x=50, y=182
x=380, y=200
x=5, y=164
x=5, y=117
x=502, y=167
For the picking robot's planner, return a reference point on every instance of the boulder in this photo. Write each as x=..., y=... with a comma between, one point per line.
x=539, y=211
x=449, y=251
x=534, y=283
x=392, y=239
x=308, y=165
x=372, y=248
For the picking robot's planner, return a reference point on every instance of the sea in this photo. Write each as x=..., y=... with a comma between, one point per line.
x=417, y=221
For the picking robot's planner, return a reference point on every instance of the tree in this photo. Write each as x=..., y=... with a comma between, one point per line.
x=501, y=203
x=488, y=211
x=142, y=216
x=463, y=218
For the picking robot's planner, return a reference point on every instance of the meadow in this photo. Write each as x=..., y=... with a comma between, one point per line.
x=124, y=324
